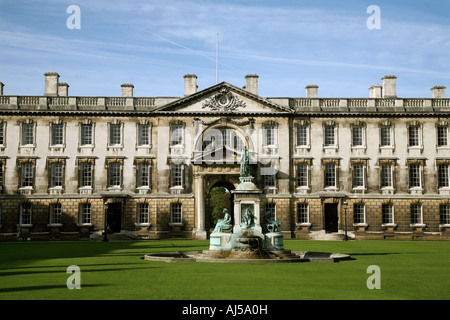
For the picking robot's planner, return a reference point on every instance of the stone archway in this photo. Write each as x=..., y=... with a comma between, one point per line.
x=224, y=182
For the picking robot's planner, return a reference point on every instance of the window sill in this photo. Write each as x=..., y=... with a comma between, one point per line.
x=176, y=224
x=146, y=147
x=302, y=190
x=55, y=225
x=143, y=190
x=416, y=190
x=26, y=190
x=55, y=190
x=114, y=189
x=30, y=225
x=146, y=224
x=85, y=190
x=176, y=190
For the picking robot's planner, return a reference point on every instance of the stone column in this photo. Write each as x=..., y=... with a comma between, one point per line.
x=200, y=232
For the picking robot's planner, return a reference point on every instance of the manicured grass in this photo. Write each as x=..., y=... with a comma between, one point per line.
x=116, y=270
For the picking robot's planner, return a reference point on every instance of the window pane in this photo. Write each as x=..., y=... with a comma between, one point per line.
x=86, y=134
x=27, y=133
x=302, y=137
x=176, y=136
x=114, y=134
x=55, y=213
x=86, y=174
x=272, y=208
x=358, y=175
x=330, y=175
x=143, y=175
x=86, y=213
x=269, y=135
x=443, y=176
x=329, y=136
x=27, y=174
x=143, y=135
x=413, y=136
x=302, y=213
x=444, y=214
x=143, y=213
x=357, y=136
x=2, y=133
x=302, y=175
x=176, y=175
x=25, y=213
x=386, y=175
x=358, y=213
x=442, y=136
x=56, y=175
x=57, y=134
x=414, y=175
x=176, y=213
x=416, y=213
x=114, y=174
x=387, y=213
x=385, y=136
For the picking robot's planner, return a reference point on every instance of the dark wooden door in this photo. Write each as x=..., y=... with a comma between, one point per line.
x=331, y=217
x=114, y=219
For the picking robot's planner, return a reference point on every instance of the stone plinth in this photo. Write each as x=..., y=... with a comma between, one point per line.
x=220, y=241
x=273, y=241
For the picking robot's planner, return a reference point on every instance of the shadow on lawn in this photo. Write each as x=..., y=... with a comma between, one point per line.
x=31, y=288
x=373, y=254
x=62, y=269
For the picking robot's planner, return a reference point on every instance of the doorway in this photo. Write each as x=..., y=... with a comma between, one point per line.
x=331, y=217
x=114, y=217
x=220, y=197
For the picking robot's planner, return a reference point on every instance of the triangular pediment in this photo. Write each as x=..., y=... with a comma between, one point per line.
x=223, y=98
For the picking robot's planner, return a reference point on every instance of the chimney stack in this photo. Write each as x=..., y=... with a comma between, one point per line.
x=1, y=88
x=251, y=84
x=438, y=92
x=127, y=90
x=51, y=84
x=375, y=91
x=190, y=84
x=63, y=89
x=312, y=91
x=389, y=87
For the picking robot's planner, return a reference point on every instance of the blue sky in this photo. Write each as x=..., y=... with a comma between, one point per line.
x=289, y=44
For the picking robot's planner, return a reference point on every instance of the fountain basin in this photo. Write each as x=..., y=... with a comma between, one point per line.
x=246, y=256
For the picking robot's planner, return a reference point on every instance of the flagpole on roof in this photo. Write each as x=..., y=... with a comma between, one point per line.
x=217, y=60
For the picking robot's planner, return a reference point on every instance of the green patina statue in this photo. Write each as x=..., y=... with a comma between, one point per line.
x=224, y=224
x=271, y=225
x=245, y=163
x=247, y=219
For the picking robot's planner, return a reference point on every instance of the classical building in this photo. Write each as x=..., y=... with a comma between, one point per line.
x=376, y=167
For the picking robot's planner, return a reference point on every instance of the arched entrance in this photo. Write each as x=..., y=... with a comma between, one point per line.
x=219, y=197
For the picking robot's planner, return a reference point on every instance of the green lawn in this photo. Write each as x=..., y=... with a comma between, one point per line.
x=116, y=270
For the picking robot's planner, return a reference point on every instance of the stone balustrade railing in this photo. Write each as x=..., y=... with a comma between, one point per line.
x=81, y=103
x=370, y=104
x=297, y=104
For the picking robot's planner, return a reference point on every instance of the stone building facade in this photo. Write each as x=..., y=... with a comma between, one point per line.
x=143, y=167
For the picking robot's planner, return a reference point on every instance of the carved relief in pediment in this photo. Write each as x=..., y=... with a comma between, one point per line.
x=224, y=100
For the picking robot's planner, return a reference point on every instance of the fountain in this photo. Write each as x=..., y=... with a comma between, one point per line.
x=246, y=240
